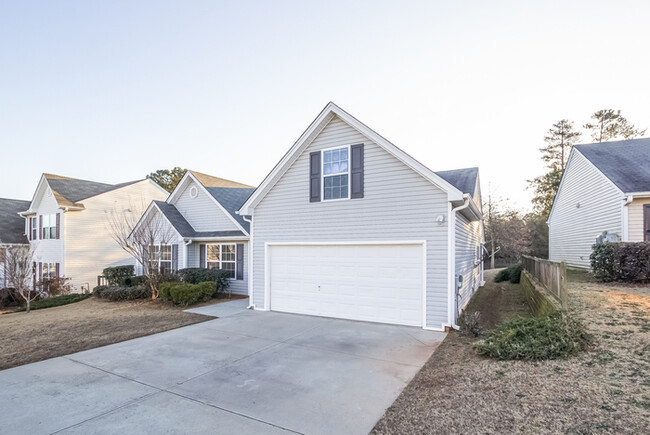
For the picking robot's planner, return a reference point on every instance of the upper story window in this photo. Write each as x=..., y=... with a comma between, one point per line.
x=160, y=258
x=49, y=226
x=222, y=256
x=33, y=225
x=336, y=171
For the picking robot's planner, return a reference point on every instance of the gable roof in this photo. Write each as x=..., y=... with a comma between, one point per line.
x=228, y=195
x=183, y=227
x=12, y=225
x=69, y=191
x=626, y=163
x=462, y=179
x=330, y=111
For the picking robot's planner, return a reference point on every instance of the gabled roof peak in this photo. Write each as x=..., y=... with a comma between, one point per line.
x=212, y=181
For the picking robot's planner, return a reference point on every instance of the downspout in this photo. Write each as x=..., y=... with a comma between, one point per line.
x=625, y=216
x=452, y=224
x=251, y=305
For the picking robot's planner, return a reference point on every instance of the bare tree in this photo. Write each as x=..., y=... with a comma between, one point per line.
x=137, y=235
x=18, y=271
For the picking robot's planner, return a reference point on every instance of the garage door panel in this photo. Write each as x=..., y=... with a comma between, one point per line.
x=382, y=283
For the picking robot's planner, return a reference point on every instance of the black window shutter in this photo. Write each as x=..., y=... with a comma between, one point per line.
x=58, y=270
x=356, y=171
x=58, y=225
x=240, y=261
x=646, y=222
x=314, y=176
x=31, y=228
x=174, y=258
x=40, y=227
x=202, y=256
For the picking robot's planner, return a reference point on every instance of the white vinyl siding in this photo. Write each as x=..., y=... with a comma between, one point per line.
x=468, y=241
x=89, y=247
x=49, y=250
x=398, y=204
x=573, y=229
x=202, y=212
x=635, y=219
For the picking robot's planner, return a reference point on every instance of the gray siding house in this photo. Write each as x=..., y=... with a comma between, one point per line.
x=348, y=225
x=12, y=231
x=605, y=188
x=201, y=229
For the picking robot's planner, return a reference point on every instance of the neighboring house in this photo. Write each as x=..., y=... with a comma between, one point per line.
x=347, y=225
x=67, y=224
x=605, y=188
x=12, y=230
x=202, y=228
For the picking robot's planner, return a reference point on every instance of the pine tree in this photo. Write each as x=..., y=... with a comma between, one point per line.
x=559, y=140
x=610, y=124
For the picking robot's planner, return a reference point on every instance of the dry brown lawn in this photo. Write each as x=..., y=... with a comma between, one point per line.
x=52, y=332
x=604, y=390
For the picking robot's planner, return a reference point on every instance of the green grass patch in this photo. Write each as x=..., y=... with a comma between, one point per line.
x=539, y=338
x=56, y=301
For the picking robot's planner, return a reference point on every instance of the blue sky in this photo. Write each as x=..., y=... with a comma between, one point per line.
x=110, y=91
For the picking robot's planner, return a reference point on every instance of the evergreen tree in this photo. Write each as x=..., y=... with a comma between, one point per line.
x=610, y=124
x=166, y=178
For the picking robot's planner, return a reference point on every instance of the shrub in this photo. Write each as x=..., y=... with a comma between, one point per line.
x=121, y=293
x=470, y=323
x=186, y=293
x=56, y=286
x=537, y=338
x=196, y=275
x=56, y=301
x=628, y=262
x=512, y=274
x=132, y=281
x=117, y=275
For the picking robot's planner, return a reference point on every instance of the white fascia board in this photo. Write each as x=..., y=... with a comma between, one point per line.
x=179, y=187
x=305, y=139
x=215, y=239
x=39, y=186
x=638, y=194
x=146, y=213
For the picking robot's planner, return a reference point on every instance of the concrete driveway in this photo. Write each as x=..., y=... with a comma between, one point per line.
x=247, y=372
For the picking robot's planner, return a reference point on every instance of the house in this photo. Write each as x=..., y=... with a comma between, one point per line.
x=12, y=230
x=67, y=225
x=347, y=225
x=605, y=188
x=201, y=227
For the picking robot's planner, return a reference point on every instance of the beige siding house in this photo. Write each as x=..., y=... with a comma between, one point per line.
x=67, y=225
x=347, y=225
x=605, y=189
x=201, y=227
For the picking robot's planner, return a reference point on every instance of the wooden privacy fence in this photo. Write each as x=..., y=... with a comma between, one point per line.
x=549, y=274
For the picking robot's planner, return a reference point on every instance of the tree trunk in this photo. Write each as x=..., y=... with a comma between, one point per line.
x=28, y=305
x=492, y=256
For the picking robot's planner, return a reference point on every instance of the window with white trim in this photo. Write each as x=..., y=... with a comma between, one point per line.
x=222, y=256
x=336, y=171
x=34, y=227
x=48, y=270
x=160, y=258
x=49, y=226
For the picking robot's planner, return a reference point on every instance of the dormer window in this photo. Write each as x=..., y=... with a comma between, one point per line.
x=336, y=171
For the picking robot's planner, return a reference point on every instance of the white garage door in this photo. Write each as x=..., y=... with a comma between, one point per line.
x=378, y=283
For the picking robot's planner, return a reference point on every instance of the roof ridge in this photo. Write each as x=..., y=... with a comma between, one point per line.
x=206, y=178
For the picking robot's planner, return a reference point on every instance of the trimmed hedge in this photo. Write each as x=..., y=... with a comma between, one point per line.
x=121, y=293
x=186, y=293
x=196, y=275
x=117, y=275
x=512, y=274
x=537, y=338
x=629, y=262
x=56, y=301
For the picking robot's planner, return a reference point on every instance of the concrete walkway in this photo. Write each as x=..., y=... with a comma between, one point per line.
x=250, y=372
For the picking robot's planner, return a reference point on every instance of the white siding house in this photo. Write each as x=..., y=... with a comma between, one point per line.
x=12, y=232
x=347, y=225
x=605, y=188
x=203, y=229
x=67, y=225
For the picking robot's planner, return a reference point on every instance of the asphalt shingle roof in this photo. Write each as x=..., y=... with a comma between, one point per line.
x=12, y=225
x=184, y=228
x=625, y=162
x=232, y=198
x=462, y=179
x=72, y=190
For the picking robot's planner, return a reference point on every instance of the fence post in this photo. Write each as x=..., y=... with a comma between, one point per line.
x=563, y=290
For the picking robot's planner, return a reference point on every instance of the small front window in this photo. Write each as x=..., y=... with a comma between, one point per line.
x=49, y=226
x=336, y=174
x=222, y=257
x=34, y=227
x=160, y=258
